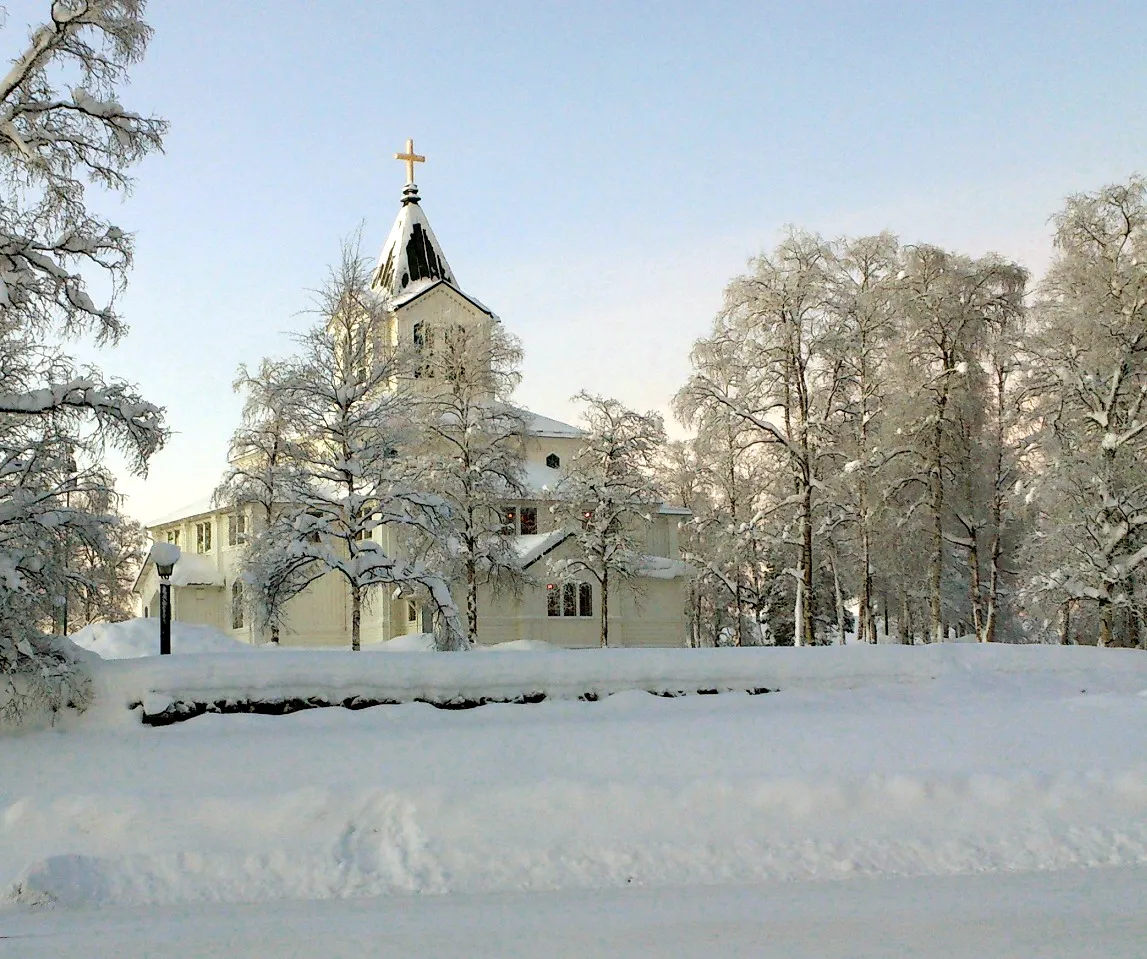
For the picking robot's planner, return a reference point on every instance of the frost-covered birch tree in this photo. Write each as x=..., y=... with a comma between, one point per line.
x=946, y=305
x=261, y=463
x=347, y=500
x=862, y=277
x=763, y=364
x=1089, y=381
x=468, y=448
x=606, y=495
x=63, y=130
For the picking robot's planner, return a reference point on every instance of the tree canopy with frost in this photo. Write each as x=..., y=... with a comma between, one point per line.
x=63, y=130
x=346, y=504
x=606, y=497
x=469, y=449
x=1089, y=386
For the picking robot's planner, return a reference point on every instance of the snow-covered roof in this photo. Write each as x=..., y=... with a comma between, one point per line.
x=541, y=480
x=195, y=569
x=538, y=425
x=411, y=252
x=661, y=567
x=191, y=569
x=533, y=547
x=421, y=287
x=666, y=510
x=195, y=508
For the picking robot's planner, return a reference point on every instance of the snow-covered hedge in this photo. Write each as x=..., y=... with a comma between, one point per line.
x=172, y=688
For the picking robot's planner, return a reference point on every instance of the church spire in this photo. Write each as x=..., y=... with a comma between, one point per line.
x=411, y=255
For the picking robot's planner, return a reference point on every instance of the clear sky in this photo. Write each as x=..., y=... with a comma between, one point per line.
x=596, y=171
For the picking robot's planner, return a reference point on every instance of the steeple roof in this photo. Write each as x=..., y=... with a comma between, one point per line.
x=411, y=256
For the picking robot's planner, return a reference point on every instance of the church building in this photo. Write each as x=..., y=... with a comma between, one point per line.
x=422, y=289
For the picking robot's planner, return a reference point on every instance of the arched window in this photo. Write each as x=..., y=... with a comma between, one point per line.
x=553, y=461
x=237, y=604
x=584, y=599
x=569, y=599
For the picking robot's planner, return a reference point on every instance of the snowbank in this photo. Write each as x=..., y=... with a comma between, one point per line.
x=424, y=643
x=869, y=762
x=172, y=688
x=135, y=638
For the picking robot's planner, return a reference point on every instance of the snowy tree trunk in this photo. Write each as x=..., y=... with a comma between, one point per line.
x=738, y=635
x=975, y=595
x=472, y=599
x=936, y=564
x=1065, y=624
x=1105, y=625
x=605, y=608
x=798, y=613
x=866, y=623
x=355, y=617
x=839, y=602
x=989, y=635
x=807, y=634
x=904, y=625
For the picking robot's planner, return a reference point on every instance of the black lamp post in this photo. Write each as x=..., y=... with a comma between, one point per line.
x=165, y=555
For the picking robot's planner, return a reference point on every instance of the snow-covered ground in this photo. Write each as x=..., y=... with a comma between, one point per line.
x=136, y=638
x=960, y=766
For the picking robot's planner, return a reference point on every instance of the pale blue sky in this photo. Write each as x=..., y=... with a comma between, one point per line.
x=596, y=171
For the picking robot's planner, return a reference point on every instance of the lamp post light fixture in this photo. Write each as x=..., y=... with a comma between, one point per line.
x=165, y=556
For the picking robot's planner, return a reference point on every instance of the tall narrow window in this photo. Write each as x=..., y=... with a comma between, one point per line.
x=411, y=611
x=173, y=536
x=529, y=520
x=569, y=599
x=553, y=600
x=237, y=604
x=584, y=599
x=509, y=521
x=236, y=529
x=424, y=345
x=203, y=537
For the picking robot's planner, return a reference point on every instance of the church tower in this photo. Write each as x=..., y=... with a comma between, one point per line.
x=413, y=274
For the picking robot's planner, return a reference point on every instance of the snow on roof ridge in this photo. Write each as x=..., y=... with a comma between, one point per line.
x=539, y=425
x=205, y=504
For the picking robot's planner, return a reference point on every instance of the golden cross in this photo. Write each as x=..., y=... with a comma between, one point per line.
x=411, y=158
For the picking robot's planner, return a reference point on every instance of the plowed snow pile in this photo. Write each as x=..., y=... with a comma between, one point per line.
x=925, y=762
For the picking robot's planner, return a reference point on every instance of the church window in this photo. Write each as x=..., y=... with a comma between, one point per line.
x=423, y=344
x=236, y=529
x=584, y=599
x=237, y=604
x=553, y=461
x=203, y=537
x=509, y=521
x=529, y=520
x=569, y=599
x=173, y=537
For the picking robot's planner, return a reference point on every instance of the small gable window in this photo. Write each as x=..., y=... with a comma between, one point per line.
x=553, y=461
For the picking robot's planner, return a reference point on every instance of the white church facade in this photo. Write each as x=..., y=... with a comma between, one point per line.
x=422, y=290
